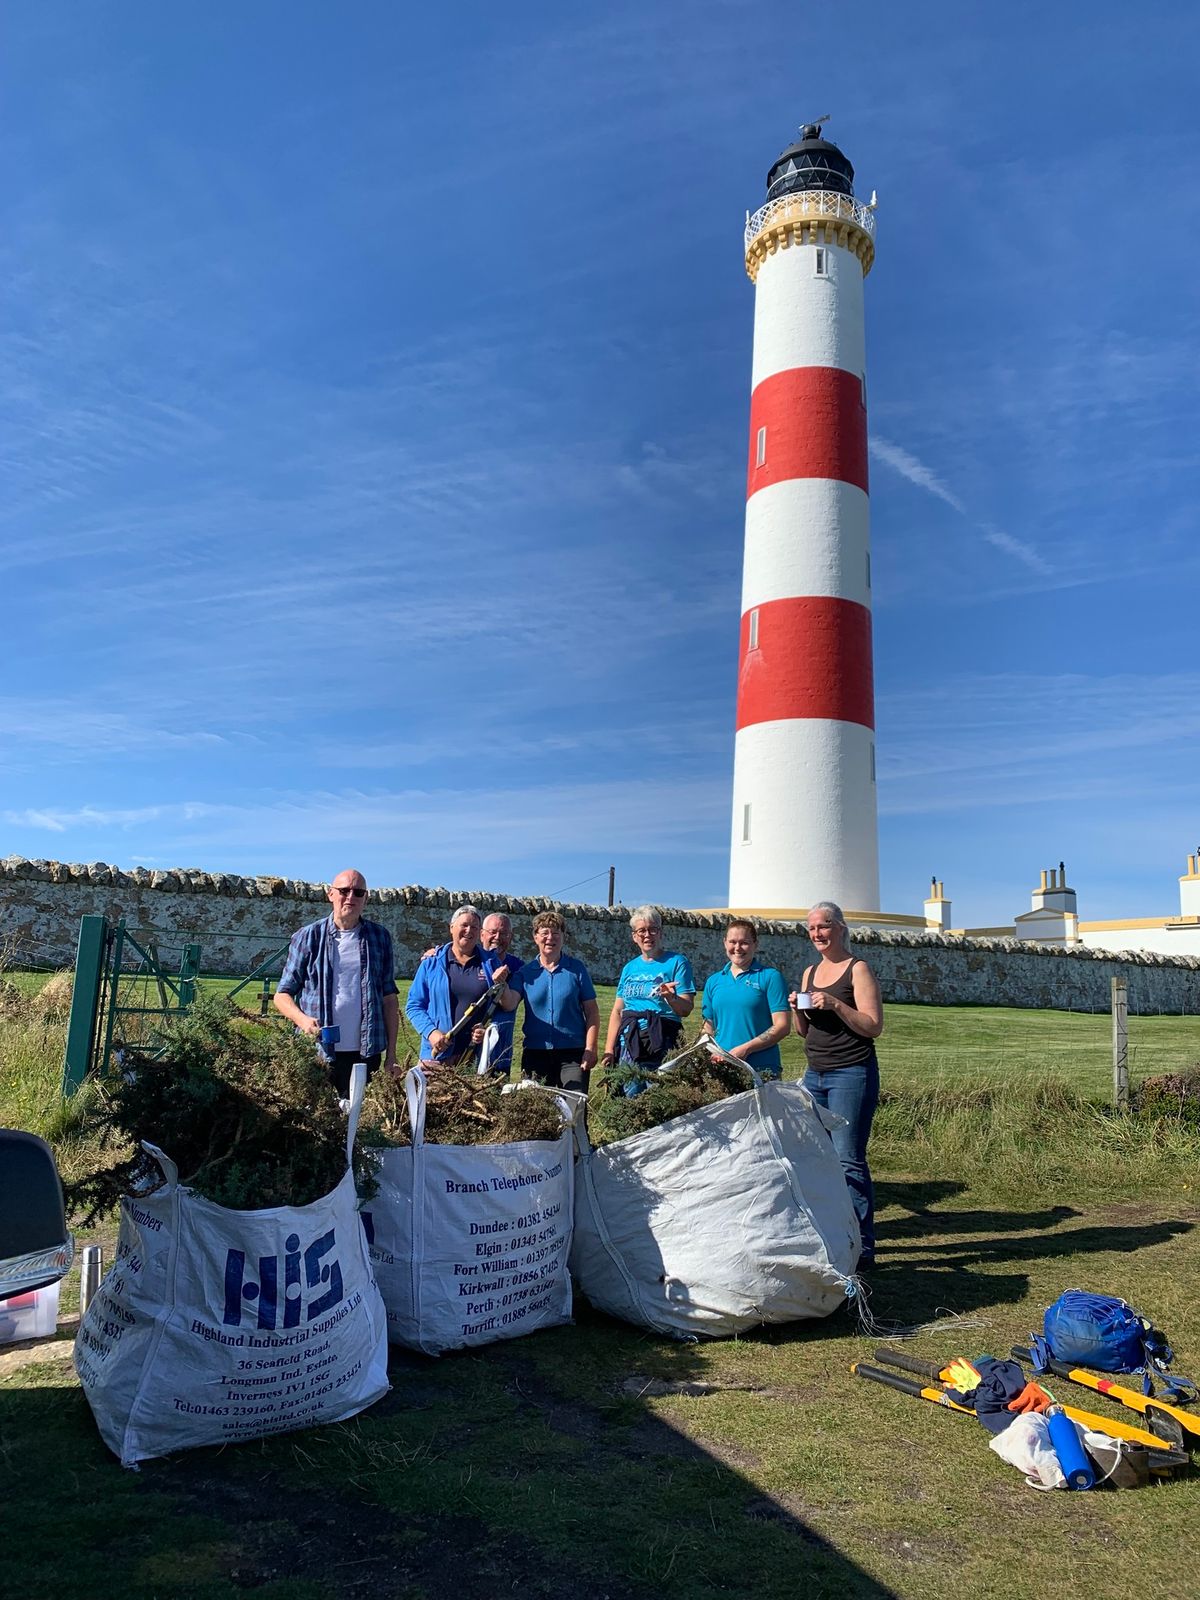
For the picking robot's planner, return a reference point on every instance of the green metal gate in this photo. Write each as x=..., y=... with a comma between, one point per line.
x=128, y=983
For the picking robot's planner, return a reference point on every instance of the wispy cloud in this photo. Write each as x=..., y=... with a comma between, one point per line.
x=1004, y=739
x=923, y=477
x=916, y=472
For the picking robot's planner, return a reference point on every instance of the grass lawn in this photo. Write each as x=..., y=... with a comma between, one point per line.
x=600, y=1461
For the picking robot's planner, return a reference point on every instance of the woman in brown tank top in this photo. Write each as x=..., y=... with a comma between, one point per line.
x=838, y=1013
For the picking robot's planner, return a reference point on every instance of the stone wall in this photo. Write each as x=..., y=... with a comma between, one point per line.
x=238, y=922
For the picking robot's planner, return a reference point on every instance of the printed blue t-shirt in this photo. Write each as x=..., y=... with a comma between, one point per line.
x=739, y=1006
x=640, y=977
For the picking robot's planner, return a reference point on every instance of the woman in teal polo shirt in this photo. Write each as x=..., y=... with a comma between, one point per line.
x=746, y=1003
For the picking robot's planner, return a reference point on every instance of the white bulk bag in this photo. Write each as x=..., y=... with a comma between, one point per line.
x=216, y=1325
x=470, y=1242
x=718, y=1220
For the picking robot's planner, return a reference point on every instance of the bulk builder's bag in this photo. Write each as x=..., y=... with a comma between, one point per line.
x=726, y=1217
x=216, y=1325
x=470, y=1242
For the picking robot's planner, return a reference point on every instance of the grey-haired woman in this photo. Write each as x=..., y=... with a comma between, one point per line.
x=838, y=1012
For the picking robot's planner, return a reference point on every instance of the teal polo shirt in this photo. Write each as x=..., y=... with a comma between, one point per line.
x=739, y=1006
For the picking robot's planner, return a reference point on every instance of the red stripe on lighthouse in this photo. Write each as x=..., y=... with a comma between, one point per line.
x=813, y=659
x=816, y=427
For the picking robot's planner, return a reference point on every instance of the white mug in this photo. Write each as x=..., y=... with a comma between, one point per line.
x=803, y=1000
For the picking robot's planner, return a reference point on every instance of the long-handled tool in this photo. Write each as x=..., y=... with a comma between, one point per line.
x=1160, y=1411
x=457, y=1040
x=928, y=1391
x=934, y=1375
x=959, y=1371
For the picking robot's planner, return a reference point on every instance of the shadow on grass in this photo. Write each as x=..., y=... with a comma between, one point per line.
x=919, y=1224
x=937, y=1276
x=536, y=1467
x=917, y=1282
x=917, y=1196
x=1047, y=1246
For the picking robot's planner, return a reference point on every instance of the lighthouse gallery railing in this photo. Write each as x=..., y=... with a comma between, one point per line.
x=810, y=203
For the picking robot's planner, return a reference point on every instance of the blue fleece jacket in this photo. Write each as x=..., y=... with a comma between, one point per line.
x=428, y=1006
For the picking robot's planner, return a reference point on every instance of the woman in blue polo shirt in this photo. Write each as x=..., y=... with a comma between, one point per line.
x=562, y=1018
x=746, y=1003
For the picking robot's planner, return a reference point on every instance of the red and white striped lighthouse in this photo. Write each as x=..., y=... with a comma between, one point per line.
x=804, y=812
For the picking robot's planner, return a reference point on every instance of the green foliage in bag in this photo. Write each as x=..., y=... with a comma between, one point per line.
x=243, y=1109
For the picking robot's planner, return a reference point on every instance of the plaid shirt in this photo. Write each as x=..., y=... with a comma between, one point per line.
x=308, y=978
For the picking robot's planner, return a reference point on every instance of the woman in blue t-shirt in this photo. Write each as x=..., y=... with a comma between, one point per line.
x=655, y=992
x=746, y=1003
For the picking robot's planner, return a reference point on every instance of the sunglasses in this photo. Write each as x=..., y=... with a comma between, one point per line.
x=357, y=893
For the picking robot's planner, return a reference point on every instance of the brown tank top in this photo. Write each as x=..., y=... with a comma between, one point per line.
x=829, y=1042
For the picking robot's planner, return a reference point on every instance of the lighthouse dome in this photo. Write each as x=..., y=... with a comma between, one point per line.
x=811, y=163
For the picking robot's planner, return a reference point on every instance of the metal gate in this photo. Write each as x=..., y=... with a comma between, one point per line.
x=128, y=983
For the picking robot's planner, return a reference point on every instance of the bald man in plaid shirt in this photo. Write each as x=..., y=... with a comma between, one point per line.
x=339, y=973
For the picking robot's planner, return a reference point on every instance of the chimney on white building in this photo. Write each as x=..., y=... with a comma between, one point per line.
x=937, y=907
x=1189, y=888
x=1052, y=893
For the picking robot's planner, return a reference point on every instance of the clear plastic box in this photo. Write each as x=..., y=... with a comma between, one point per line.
x=29, y=1316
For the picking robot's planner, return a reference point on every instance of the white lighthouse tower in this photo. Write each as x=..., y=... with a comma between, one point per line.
x=804, y=811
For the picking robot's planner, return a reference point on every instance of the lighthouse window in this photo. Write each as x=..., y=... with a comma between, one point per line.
x=863, y=382
x=872, y=761
x=868, y=569
x=760, y=448
x=746, y=824
x=821, y=266
x=753, y=644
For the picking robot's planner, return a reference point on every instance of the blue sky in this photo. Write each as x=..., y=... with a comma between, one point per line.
x=373, y=395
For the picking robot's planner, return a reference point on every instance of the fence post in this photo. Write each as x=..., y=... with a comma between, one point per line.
x=85, y=1001
x=1120, y=1021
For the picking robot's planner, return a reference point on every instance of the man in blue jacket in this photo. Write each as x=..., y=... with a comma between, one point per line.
x=449, y=981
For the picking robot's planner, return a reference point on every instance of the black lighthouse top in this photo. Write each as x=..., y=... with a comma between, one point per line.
x=812, y=163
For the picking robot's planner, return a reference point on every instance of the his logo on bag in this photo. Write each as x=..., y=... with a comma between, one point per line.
x=266, y=1290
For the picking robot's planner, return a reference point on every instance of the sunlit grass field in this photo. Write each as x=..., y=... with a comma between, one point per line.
x=602, y=1462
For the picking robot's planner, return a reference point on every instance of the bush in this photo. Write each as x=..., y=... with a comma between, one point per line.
x=14, y=1003
x=53, y=999
x=1171, y=1094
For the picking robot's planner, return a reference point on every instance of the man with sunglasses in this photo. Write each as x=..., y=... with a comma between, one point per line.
x=339, y=975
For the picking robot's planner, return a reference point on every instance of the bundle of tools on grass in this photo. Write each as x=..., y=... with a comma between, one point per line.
x=460, y=1108
x=693, y=1078
x=244, y=1110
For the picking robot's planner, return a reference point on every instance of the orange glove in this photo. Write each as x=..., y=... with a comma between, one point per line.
x=1031, y=1398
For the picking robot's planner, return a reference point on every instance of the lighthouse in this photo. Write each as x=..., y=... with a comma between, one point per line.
x=804, y=809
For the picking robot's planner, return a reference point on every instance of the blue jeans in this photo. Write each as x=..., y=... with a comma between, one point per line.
x=852, y=1093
